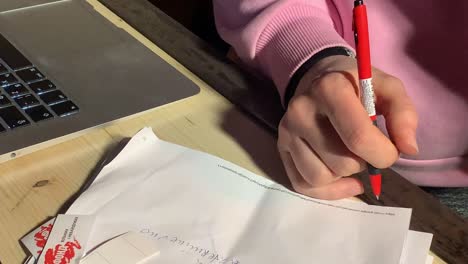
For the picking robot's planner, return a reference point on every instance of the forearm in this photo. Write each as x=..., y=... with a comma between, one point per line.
x=277, y=37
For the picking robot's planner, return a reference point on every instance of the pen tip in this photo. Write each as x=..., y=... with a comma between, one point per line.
x=378, y=197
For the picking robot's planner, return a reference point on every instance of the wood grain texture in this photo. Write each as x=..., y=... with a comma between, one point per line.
x=35, y=186
x=254, y=96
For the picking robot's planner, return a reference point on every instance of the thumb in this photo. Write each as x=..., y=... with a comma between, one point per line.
x=401, y=119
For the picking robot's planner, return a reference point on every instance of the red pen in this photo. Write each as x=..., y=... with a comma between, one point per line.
x=361, y=38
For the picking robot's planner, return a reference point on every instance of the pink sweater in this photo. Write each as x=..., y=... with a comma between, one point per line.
x=423, y=42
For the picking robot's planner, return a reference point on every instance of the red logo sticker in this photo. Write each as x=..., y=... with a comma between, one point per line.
x=41, y=237
x=62, y=254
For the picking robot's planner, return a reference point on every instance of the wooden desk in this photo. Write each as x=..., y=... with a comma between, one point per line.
x=33, y=187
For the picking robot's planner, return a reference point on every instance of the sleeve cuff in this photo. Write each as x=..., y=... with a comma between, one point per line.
x=294, y=35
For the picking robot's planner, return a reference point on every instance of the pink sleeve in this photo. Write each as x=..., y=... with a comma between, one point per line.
x=277, y=36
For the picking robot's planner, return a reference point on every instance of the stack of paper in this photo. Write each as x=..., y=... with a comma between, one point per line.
x=200, y=209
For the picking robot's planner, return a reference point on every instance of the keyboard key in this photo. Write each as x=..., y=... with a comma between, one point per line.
x=3, y=69
x=12, y=56
x=38, y=113
x=42, y=86
x=65, y=108
x=13, y=117
x=53, y=97
x=26, y=101
x=30, y=75
x=7, y=79
x=2, y=129
x=4, y=101
x=16, y=90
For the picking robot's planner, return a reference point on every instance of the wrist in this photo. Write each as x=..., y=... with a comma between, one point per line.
x=314, y=67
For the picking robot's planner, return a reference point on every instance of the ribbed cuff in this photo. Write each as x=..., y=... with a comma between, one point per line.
x=294, y=35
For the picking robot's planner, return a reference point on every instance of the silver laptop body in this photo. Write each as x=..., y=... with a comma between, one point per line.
x=94, y=65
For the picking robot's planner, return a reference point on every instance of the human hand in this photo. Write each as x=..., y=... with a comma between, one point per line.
x=326, y=134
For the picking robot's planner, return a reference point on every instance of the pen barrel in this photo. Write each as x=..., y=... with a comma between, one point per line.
x=376, y=184
x=367, y=97
x=362, y=41
x=361, y=37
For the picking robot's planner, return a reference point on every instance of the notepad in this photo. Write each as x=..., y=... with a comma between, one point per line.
x=198, y=208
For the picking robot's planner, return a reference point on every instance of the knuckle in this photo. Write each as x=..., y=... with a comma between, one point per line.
x=333, y=78
x=298, y=115
x=319, y=177
x=283, y=139
x=332, y=86
x=410, y=115
x=407, y=113
x=298, y=184
x=296, y=107
x=388, y=159
x=283, y=126
x=356, y=140
x=298, y=187
x=328, y=84
x=280, y=144
x=322, y=87
x=347, y=167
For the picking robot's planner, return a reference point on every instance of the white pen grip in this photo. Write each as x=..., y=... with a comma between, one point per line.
x=367, y=96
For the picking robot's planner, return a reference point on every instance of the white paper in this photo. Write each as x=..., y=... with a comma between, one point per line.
x=416, y=247
x=201, y=209
x=129, y=248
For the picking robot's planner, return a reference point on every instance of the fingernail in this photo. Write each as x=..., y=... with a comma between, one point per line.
x=414, y=144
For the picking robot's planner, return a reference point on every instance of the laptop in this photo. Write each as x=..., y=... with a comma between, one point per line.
x=65, y=69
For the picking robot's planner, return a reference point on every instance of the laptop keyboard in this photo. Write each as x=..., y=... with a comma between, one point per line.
x=26, y=95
